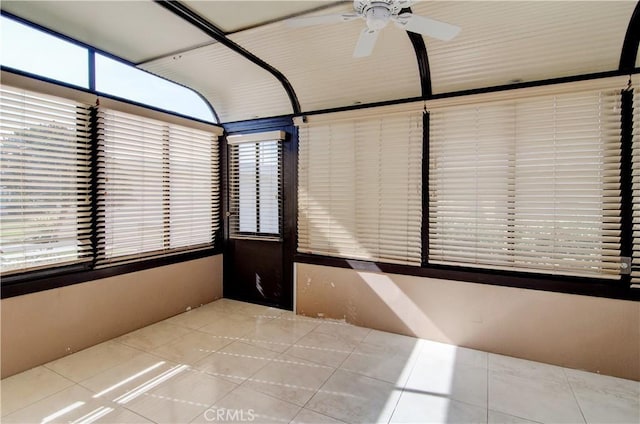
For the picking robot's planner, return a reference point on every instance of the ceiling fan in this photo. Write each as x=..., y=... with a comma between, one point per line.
x=377, y=14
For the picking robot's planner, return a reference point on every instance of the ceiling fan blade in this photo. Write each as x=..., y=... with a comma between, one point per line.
x=366, y=42
x=305, y=21
x=427, y=26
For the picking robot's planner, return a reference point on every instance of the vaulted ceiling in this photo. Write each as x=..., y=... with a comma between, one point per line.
x=248, y=63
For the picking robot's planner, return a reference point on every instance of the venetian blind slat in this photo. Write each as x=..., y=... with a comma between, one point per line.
x=635, y=260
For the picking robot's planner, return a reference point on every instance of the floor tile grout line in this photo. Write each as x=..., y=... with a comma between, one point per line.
x=316, y=392
x=140, y=351
x=538, y=380
x=575, y=397
x=413, y=367
x=241, y=385
x=364, y=375
x=335, y=369
x=488, y=383
x=516, y=416
x=315, y=412
x=148, y=350
x=45, y=397
x=339, y=367
x=138, y=414
x=126, y=405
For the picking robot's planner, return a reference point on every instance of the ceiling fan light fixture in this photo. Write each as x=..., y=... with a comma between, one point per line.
x=377, y=17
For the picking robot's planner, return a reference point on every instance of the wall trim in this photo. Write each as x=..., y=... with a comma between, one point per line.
x=570, y=285
x=53, y=278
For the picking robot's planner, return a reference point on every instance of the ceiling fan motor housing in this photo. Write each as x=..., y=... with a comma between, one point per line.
x=393, y=6
x=378, y=12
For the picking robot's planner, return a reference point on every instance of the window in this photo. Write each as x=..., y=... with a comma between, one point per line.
x=40, y=53
x=84, y=186
x=359, y=187
x=194, y=198
x=125, y=81
x=255, y=185
x=45, y=199
x=156, y=187
x=531, y=184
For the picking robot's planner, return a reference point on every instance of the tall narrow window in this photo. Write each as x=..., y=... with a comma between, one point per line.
x=255, y=185
x=531, y=185
x=156, y=187
x=132, y=196
x=359, y=187
x=193, y=187
x=45, y=180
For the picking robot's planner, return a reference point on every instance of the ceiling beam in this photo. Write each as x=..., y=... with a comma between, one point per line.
x=629, y=52
x=419, y=46
x=217, y=34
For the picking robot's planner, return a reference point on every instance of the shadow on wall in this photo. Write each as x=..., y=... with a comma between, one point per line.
x=594, y=334
x=580, y=332
x=407, y=380
x=422, y=381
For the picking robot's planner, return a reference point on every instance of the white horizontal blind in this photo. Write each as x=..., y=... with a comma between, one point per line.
x=531, y=185
x=132, y=182
x=156, y=183
x=360, y=191
x=45, y=180
x=255, y=189
x=194, y=196
x=635, y=263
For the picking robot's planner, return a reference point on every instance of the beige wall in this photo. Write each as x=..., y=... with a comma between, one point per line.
x=594, y=334
x=43, y=326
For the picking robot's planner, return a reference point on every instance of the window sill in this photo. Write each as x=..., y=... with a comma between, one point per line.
x=570, y=285
x=31, y=282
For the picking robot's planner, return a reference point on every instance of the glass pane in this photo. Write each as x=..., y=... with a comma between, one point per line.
x=269, y=187
x=247, y=198
x=119, y=79
x=191, y=196
x=44, y=174
x=132, y=182
x=30, y=50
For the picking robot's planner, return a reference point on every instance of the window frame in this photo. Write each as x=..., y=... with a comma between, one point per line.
x=91, y=71
x=386, y=169
x=166, y=125
x=55, y=276
x=579, y=285
x=46, y=154
x=254, y=139
x=515, y=241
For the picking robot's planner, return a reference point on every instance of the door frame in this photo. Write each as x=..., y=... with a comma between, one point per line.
x=289, y=201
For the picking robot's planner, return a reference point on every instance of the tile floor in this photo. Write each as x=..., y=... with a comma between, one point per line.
x=230, y=361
